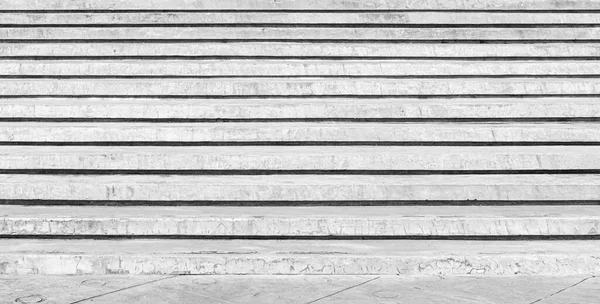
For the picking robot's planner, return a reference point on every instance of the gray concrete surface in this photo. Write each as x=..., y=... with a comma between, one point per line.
x=301, y=221
x=298, y=289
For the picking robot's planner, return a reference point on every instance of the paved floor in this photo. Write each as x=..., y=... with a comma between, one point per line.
x=297, y=289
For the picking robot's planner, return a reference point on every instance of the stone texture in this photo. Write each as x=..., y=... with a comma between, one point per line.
x=410, y=258
x=298, y=87
x=203, y=68
x=301, y=158
x=302, y=221
x=316, y=188
x=297, y=289
x=389, y=108
x=298, y=33
x=301, y=5
x=300, y=50
x=303, y=18
x=299, y=132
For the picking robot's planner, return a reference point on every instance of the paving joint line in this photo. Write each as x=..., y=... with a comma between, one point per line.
x=340, y=291
x=122, y=289
x=564, y=289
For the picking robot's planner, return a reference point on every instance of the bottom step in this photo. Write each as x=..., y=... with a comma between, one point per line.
x=288, y=257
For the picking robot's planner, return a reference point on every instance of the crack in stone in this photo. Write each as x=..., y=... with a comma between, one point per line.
x=566, y=288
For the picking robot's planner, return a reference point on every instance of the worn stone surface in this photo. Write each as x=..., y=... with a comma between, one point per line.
x=304, y=87
x=299, y=50
x=70, y=257
x=302, y=221
x=298, y=33
x=299, y=108
x=297, y=289
x=294, y=68
x=299, y=132
x=407, y=17
x=301, y=158
x=205, y=188
x=301, y=5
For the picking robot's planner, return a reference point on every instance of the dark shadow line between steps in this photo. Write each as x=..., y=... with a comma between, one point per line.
x=306, y=11
x=490, y=238
x=305, y=143
x=307, y=97
x=304, y=77
x=308, y=40
x=278, y=58
x=292, y=172
x=294, y=25
x=307, y=119
x=273, y=203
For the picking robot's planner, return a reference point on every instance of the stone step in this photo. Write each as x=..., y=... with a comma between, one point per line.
x=298, y=33
x=289, y=68
x=359, y=18
x=347, y=221
x=301, y=158
x=293, y=257
x=311, y=86
x=110, y=50
x=309, y=5
x=299, y=108
x=218, y=189
x=301, y=133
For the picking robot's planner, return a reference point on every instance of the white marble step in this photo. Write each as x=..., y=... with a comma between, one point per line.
x=406, y=18
x=296, y=68
x=294, y=257
x=88, y=5
x=319, y=132
x=300, y=188
x=300, y=158
x=346, y=221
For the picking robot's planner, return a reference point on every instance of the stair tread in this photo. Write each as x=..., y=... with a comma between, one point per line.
x=298, y=5
x=298, y=132
x=273, y=108
x=301, y=158
x=292, y=212
x=299, y=50
x=297, y=33
x=310, y=86
x=322, y=68
x=383, y=18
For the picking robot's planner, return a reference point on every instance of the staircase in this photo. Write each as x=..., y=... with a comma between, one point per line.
x=455, y=137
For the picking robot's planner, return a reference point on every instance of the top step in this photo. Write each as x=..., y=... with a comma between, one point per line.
x=299, y=5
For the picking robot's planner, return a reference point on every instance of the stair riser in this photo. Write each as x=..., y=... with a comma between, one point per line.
x=321, y=227
x=441, y=264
